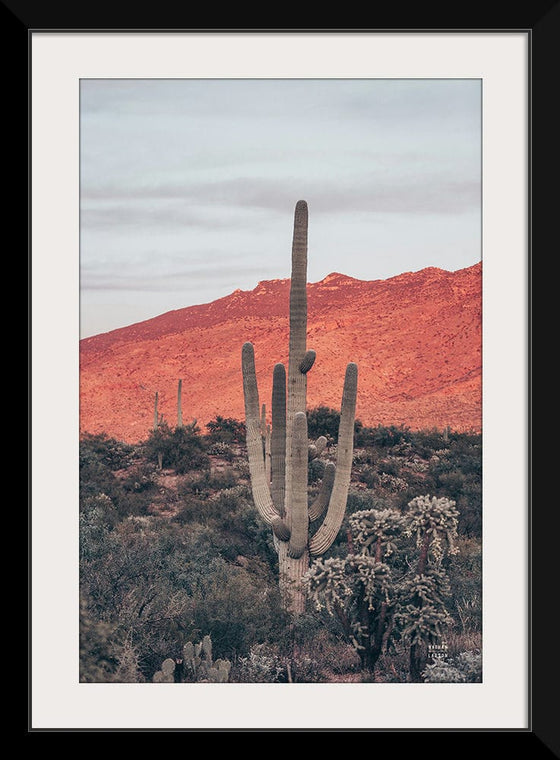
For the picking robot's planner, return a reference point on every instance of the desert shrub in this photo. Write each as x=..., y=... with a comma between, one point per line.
x=132, y=580
x=115, y=454
x=241, y=467
x=235, y=607
x=141, y=477
x=359, y=499
x=226, y=430
x=98, y=660
x=384, y=437
x=217, y=480
x=368, y=476
x=470, y=664
x=315, y=470
x=456, y=471
x=425, y=442
x=466, y=667
x=139, y=488
x=97, y=518
x=103, y=656
x=130, y=493
x=362, y=457
x=204, y=483
x=181, y=448
x=230, y=499
x=390, y=465
x=465, y=578
x=245, y=533
x=262, y=664
x=95, y=476
x=323, y=421
x=192, y=510
x=194, y=484
x=214, y=508
x=222, y=450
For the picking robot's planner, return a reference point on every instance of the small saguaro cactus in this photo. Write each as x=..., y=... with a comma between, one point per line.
x=156, y=416
x=281, y=497
x=179, y=405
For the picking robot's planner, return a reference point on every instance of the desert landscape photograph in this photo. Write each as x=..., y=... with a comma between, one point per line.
x=280, y=381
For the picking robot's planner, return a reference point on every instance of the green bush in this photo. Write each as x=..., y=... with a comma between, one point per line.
x=226, y=430
x=96, y=476
x=98, y=659
x=217, y=480
x=368, y=476
x=315, y=470
x=140, y=478
x=323, y=421
x=222, y=450
x=235, y=607
x=192, y=510
x=382, y=436
x=465, y=574
x=116, y=455
x=181, y=449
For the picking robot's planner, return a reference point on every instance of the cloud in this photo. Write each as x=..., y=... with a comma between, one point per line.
x=426, y=193
x=169, y=280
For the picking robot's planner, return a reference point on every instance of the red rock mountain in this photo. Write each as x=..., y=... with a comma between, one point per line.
x=416, y=339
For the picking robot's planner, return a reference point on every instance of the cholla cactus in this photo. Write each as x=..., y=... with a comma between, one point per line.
x=280, y=493
x=434, y=523
x=376, y=530
x=359, y=588
x=362, y=591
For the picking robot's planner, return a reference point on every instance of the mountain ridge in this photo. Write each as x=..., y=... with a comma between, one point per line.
x=416, y=338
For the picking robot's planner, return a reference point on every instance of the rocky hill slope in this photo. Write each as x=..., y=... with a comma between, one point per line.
x=416, y=339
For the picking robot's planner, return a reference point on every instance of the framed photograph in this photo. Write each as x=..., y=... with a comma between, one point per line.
x=165, y=170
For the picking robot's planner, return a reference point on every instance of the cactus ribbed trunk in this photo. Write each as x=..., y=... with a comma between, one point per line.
x=291, y=572
x=278, y=439
x=296, y=479
x=280, y=492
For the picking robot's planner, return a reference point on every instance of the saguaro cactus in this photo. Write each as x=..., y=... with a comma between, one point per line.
x=156, y=415
x=179, y=404
x=281, y=498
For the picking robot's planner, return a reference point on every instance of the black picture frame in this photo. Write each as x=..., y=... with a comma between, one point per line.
x=541, y=23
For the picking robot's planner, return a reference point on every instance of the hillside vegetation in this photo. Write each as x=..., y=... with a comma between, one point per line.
x=173, y=554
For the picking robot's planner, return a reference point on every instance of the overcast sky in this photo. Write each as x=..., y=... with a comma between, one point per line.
x=188, y=187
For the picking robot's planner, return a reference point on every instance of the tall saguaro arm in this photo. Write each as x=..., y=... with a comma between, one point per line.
x=259, y=484
x=327, y=532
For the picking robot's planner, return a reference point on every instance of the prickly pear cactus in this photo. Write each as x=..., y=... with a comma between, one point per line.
x=196, y=666
x=167, y=672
